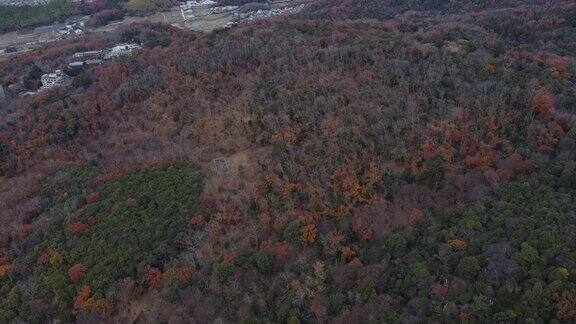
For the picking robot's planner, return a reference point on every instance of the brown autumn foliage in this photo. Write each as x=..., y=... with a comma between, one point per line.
x=182, y=275
x=308, y=234
x=197, y=221
x=543, y=103
x=5, y=270
x=131, y=202
x=84, y=303
x=566, y=306
x=439, y=290
x=76, y=272
x=280, y=250
x=415, y=216
x=352, y=128
x=153, y=277
x=362, y=230
x=458, y=245
x=22, y=232
x=92, y=198
x=78, y=228
x=50, y=258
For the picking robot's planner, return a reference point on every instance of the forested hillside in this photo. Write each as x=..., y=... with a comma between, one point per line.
x=410, y=163
x=386, y=9
x=15, y=18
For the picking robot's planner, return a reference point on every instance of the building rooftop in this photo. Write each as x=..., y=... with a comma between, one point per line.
x=88, y=53
x=93, y=62
x=121, y=50
x=76, y=64
x=56, y=78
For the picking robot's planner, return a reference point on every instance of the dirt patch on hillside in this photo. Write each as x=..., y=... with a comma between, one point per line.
x=243, y=170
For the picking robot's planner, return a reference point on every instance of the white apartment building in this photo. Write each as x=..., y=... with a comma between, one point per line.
x=51, y=80
x=121, y=50
x=96, y=54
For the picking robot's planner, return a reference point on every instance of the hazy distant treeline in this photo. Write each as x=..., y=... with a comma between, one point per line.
x=13, y=18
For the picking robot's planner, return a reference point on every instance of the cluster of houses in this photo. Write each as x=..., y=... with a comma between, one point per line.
x=92, y=58
x=223, y=9
x=198, y=3
x=203, y=8
x=70, y=30
x=268, y=13
x=56, y=78
x=187, y=8
x=84, y=59
x=121, y=50
x=192, y=9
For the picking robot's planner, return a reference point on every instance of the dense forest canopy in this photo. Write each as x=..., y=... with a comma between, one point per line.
x=361, y=161
x=16, y=18
x=386, y=9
